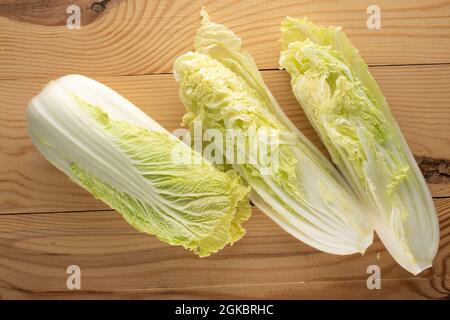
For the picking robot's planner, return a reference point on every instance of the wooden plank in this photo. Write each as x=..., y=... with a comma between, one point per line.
x=142, y=37
x=28, y=183
x=37, y=249
x=390, y=289
x=50, y=12
x=439, y=190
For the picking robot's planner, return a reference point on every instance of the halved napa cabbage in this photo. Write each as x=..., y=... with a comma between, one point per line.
x=222, y=89
x=123, y=157
x=349, y=112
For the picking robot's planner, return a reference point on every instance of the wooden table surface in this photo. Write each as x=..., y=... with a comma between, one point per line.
x=48, y=223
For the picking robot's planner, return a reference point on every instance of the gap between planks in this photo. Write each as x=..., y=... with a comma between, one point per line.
x=98, y=210
x=371, y=66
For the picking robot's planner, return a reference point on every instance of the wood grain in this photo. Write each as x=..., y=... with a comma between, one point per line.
x=116, y=260
x=143, y=37
x=52, y=12
x=418, y=95
x=390, y=289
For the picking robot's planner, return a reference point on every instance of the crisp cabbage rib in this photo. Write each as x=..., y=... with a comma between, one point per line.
x=112, y=149
x=349, y=112
x=222, y=88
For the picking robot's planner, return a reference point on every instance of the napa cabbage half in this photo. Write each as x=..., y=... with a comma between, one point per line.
x=222, y=89
x=349, y=112
x=123, y=157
